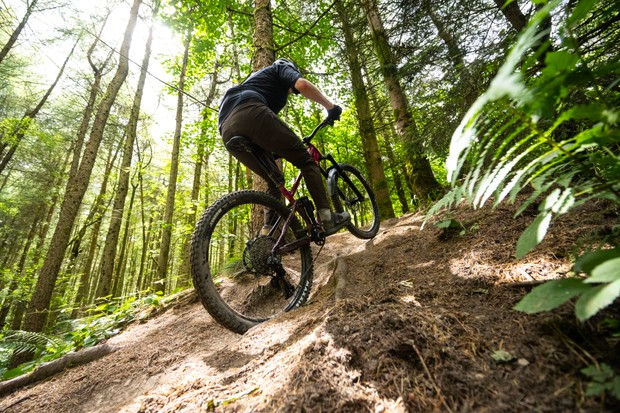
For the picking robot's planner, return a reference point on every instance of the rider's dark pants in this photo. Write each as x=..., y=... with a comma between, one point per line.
x=254, y=120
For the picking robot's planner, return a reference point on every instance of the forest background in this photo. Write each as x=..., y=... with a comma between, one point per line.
x=109, y=146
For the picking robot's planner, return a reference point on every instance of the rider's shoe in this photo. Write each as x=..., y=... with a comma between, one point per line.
x=338, y=221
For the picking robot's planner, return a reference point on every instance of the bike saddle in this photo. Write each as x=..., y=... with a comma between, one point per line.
x=266, y=159
x=240, y=144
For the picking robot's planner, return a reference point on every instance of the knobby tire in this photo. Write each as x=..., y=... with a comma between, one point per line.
x=365, y=219
x=231, y=265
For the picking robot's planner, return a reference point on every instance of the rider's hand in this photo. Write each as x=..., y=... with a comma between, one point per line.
x=334, y=114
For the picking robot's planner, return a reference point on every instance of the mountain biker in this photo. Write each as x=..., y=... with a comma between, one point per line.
x=250, y=109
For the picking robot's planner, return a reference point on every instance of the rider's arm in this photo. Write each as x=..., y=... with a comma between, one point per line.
x=309, y=91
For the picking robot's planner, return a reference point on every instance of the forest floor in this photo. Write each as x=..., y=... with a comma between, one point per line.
x=412, y=321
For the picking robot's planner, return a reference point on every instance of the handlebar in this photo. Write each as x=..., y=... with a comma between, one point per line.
x=306, y=140
x=333, y=115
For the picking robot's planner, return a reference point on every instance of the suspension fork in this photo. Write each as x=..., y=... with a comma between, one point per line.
x=330, y=176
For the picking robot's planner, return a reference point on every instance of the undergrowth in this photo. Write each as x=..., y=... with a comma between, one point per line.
x=104, y=321
x=551, y=131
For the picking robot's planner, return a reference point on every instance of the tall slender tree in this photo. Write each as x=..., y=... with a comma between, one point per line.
x=202, y=155
x=8, y=150
x=95, y=88
x=111, y=243
x=264, y=47
x=15, y=35
x=263, y=54
x=372, y=154
x=164, y=249
x=513, y=13
x=76, y=188
x=425, y=185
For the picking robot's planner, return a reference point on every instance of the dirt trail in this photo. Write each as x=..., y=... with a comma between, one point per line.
x=410, y=321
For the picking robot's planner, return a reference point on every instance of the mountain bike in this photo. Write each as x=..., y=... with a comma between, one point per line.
x=245, y=272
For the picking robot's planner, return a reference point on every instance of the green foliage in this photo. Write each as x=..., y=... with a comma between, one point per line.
x=449, y=223
x=550, y=295
x=10, y=127
x=26, y=341
x=596, y=292
x=19, y=342
x=107, y=320
x=603, y=380
x=555, y=132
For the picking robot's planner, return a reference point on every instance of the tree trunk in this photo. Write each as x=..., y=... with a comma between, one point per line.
x=15, y=35
x=387, y=132
x=111, y=242
x=90, y=105
x=87, y=277
x=264, y=47
x=512, y=12
x=396, y=175
x=76, y=188
x=119, y=278
x=466, y=86
x=264, y=55
x=94, y=219
x=425, y=185
x=455, y=54
x=200, y=158
x=9, y=300
x=370, y=146
x=146, y=233
x=164, y=251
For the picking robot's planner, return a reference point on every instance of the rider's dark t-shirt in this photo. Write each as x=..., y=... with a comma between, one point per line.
x=269, y=85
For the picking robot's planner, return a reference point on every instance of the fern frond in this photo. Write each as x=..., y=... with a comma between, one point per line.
x=532, y=132
x=21, y=341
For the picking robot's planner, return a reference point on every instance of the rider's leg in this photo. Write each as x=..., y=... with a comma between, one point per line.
x=236, y=125
x=283, y=141
x=258, y=123
x=240, y=123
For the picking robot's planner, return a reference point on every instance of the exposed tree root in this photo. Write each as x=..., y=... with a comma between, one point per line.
x=49, y=369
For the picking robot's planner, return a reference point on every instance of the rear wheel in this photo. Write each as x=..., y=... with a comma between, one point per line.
x=354, y=195
x=239, y=280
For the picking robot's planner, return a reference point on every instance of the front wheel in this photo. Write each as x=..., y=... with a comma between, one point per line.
x=239, y=278
x=352, y=193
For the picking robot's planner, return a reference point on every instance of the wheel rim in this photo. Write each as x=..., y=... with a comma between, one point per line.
x=363, y=212
x=243, y=268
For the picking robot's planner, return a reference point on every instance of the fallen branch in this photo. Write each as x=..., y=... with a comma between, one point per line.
x=46, y=370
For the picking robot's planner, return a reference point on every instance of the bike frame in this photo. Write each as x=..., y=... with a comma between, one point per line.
x=294, y=203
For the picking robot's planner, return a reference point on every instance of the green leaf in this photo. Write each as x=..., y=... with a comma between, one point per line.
x=603, y=379
x=595, y=389
x=533, y=234
x=615, y=387
x=595, y=299
x=581, y=10
x=550, y=295
x=449, y=223
x=559, y=61
x=600, y=373
x=502, y=356
x=601, y=265
x=19, y=370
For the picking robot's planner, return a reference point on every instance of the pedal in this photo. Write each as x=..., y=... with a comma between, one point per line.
x=317, y=235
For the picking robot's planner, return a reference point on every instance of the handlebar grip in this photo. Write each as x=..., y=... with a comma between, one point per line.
x=333, y=115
